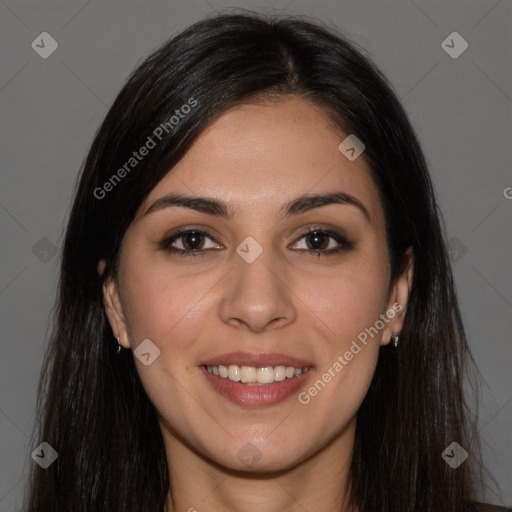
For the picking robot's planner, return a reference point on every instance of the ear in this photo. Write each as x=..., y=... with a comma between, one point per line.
x=398, y=297
x=113, y=307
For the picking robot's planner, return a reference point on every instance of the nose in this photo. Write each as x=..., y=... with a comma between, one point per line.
x=256, y=296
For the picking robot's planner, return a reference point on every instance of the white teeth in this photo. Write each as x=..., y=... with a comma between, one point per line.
x=280, y=373
x=234, y=372
x=265, y=375
x=248, y=374
x=253, y=375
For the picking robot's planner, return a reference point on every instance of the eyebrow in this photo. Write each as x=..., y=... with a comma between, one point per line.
x=301, y=204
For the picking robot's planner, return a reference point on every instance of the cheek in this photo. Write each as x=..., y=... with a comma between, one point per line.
x=348, y=303
x=169, y=308
x=349, y=299
x=160, y=302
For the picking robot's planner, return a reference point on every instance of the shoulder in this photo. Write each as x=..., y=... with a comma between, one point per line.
x=484, y=507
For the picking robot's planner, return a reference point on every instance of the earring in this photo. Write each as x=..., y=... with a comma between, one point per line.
x=118, y=345
x=395, y=338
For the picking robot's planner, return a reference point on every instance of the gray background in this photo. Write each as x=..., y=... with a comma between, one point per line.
x=51, y=108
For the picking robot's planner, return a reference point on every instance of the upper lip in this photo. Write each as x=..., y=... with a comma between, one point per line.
x=256, y=359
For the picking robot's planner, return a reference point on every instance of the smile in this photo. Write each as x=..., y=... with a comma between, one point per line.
x=256, y=376
x=257, y=386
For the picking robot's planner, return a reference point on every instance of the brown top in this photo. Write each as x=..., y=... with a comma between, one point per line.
x=484, y=507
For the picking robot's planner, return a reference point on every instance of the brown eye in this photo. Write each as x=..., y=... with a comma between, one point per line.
x=189, y=242
x=317, y=240
x=321, y=242
x=193, y=240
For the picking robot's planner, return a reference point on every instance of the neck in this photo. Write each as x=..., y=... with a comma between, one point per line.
x=320, y=482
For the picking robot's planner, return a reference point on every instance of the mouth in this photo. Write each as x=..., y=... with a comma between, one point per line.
x=256, y=380
x=256, y=376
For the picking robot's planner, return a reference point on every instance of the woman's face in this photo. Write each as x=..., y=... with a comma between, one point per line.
x=254, y=297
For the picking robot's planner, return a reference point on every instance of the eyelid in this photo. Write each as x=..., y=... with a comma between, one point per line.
x=319, y=227
x=196, y=228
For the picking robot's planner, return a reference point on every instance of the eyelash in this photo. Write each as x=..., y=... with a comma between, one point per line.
x=340, y=239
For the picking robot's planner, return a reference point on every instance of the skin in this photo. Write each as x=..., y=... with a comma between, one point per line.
x=255, y=158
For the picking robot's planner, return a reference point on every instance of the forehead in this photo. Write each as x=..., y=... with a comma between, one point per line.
x=261, y=155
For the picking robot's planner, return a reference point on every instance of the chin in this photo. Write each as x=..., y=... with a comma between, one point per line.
x=267, y=457
x=258, y=463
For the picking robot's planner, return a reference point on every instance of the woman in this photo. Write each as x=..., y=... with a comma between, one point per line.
x=256, y=309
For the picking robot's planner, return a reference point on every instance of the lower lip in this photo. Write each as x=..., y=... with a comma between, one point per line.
x=259, y=395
